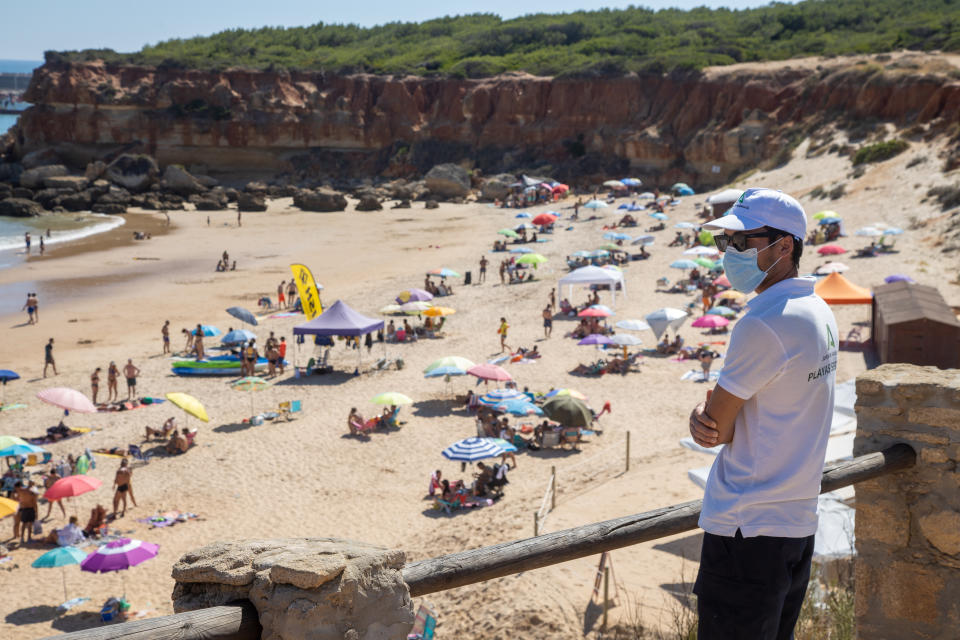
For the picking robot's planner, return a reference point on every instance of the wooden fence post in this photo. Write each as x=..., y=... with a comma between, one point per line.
x=553, y=488
x=606, y=594
x=628, y=452
x=536, y=524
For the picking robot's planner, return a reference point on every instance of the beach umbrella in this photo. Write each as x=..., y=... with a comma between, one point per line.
x=820, y=215
x=442, y=372
x=473, y=449
x=595, y=338
x=685, y=225
x=581, y=254
x=450, y=362
x=391, y=309
x=414, y=295
x=722, y=281
x=415, y=308
x=522, y=214
x=243, y=315
x=394, y=398
x=543, y=219
x=664, y=318
x=631, y=182
x=614, y=184
x=709, y=321
x=71, y=486
x=67, y=399
x=832, y=267
x=700, y=250
x=532, y=258
x=566, y=392
x=684, y=264
x=489, y=371
x=20, y=450
x=659, y=216
x=595, y=204
x=625, y=340
x=8, y=507
x=5, y=376
x=118, y=555
x=189, y=404
x=721, y=310
x=497, y=396
x=831, y=250
x=679, y=185
x=870, y=232
x=892, y=231
x=685, y=191
x=645, y=240
x=10, y=441
x=826, y=221
x=524, y=225
x=898, y=277
x=519, y=407
x=611, y=235
x=599, y=253
x=612, y=247
x=632, y=325
x=646, y=195
x=237, y=336
x=568, y=411
x=521, y=250
x=208, y=331
x=436, y=312
x=731, y=295
x=596, y=311
x=443, y=273
x=510, y=233
x=706, y=263
x=250, y=384
x=60, y=557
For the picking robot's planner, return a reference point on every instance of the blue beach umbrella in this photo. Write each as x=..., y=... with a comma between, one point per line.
x=596, y=204
x=523, y=214
x=685, y=225
x=60, y=557
x=238, y=336
x=581, y=254
x=519, y=407
x=684, y=264
x=20, y=450
x=440, y=372
x=5, y=376
x=610, y=235
x=209, y=331
x=631, y=182
x=685, y=191
x=243, y=315
x=892, y=231
x=721, y=310
x=472, y=449
x=659, y=216
x=521, y=250
x=599, y=253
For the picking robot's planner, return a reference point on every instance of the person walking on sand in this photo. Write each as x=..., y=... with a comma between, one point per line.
x=547, y=321
x=772, y=407
x=95, y=384
x=48, y=360
x=131, y=373
x=504, y=327
x=281, y=297
x=483, y=269
x=165, y=332
x=27, y=499
x=26, y=238
x=113, y=373
x=42, y=246
x=123, y=484
x=31, y=306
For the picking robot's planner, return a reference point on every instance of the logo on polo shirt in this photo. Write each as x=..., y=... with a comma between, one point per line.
x=830, y=340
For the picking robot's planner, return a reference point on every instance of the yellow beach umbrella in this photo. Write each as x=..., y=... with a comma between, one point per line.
x=10, y=441
x=730, y=294
x=436, y=312
x=189, y=404
x=8, y=507
x=392, y=398
x=573, y=393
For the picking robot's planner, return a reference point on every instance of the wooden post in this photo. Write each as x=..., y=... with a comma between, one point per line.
x=536, y=524
x=606, y=595
x=553, y=488
x=628, y=452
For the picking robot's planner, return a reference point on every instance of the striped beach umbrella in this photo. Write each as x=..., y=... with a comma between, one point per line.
x=472, y=449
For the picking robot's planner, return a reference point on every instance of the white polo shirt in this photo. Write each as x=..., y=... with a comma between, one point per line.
x=782, y=360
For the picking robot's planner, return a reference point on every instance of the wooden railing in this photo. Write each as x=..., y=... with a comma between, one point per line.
x=239, y=621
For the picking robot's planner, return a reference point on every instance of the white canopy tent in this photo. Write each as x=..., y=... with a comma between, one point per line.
x=588, y=275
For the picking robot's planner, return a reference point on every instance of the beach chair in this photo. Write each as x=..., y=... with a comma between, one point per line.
x=571, y=437
x=138, y=455
x=550, y=439
x=288, y=409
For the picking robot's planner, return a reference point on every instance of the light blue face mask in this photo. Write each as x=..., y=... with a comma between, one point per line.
x=741, y=267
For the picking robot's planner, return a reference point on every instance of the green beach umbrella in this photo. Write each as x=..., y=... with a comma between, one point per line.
x=531, y=258
x=510, y=233
x=452, y=362
x=568, y=411
x=391, y=398
x=60, y=557
x=706, y=263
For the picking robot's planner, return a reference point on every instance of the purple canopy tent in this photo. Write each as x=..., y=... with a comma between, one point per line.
x=340, y=320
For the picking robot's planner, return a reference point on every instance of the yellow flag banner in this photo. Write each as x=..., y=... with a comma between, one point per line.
x=307, y=288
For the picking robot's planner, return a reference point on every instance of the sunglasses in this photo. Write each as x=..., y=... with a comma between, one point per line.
x=739, y=240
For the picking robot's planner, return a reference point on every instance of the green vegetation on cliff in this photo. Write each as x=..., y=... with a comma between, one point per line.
x=607, y=42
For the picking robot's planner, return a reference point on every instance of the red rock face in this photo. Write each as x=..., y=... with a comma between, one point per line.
x=699, y=128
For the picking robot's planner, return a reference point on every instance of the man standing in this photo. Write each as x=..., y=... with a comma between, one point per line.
x=483, y=269
x=291, y=293
x=26, y=238
x=281, y=299
x=165, y=332
x=48, y=360
x=502, y=331
x=547, y=321
x=131, y=373
x=772, y=407
x=122, y=483
x=27, y=499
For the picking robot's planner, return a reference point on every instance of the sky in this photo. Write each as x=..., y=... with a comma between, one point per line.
x=34, y=27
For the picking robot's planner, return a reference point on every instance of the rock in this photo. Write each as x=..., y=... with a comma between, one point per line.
x=369, y=203
x=251, y=201
x=95, y=170
x=20, y=208
x=208, y=204
x=496, y=187
x=40, y=158
x=318, y=588
x=6, y=191
x=231, y=194
x=75, y=201
x=282, y=191
x=33, y=178
x=431, y=204
x=206, y=180
x=112, y=208
x=22, y=192
x=10, y=171
x=322, y=199
x=448, y=181
x=403, y=204
x=133, y=172
x=178, y=180
x=256, y=187
x=48, y=197
x=74, y=183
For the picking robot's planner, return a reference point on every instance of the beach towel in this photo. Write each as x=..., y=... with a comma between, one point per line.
x=285, y=314
x=71, y=603
x=697, y=375
x=74, y=432
x=11, y=407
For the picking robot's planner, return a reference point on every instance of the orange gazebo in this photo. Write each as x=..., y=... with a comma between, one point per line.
x=835, y=289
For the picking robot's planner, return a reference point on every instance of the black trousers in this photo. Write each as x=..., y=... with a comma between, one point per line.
x=751, y=588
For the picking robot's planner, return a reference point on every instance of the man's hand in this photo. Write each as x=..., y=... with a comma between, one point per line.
x=703, y=428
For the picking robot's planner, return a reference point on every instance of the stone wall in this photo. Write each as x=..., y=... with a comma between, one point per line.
x=908, y=523
x=317, y=588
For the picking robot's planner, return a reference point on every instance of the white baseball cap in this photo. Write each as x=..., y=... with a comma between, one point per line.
x=762, y=207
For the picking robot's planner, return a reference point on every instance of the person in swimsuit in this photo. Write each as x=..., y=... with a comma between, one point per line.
x=112, y=374
x=26, y=238
x=281, y=298
x=282, y=351
x=95, y=384
x=547, y=321
x=48, y=360
x=250, y=356
x=31, y=307
x=291, y=293
x=165, y=332
x=483, y=269
x=198, y=342
x=123, y=483
x=131, y=373
x=27, y=497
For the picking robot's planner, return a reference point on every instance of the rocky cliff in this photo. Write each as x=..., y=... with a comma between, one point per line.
x=702, y=128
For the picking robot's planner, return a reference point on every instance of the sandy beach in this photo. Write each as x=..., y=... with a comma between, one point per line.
x=106, y=298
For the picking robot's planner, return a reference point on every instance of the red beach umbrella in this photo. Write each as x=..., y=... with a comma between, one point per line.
x=831, y=250
x=67, y=399
x=71, y=486
x=544, y=219
x=722, y=282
